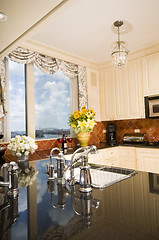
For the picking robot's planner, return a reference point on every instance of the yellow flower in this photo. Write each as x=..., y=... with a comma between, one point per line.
x=76, y=115
x=90, y=123
x=83, y=110
x=73, y=125
x=93, y=111
x=84, y=107
x=82, y=124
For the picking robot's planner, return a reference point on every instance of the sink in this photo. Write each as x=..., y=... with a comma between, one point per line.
x=105, y=176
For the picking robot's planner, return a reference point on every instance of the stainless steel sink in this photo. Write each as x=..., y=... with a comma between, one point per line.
x=105, y=176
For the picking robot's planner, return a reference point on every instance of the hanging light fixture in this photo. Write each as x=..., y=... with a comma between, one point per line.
x=119, y=52
x=3, y=17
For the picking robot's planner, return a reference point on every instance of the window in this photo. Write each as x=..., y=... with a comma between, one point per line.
x=50, y=93
x=17, y=98
x=52, y=103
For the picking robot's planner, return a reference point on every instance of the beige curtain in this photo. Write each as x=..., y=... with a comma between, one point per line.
x=51, y=65
x=2, y=88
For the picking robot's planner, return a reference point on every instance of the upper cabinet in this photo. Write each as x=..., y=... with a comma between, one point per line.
x=118, y=94
x=107, y=95
x=151, y=74
x=121, y=92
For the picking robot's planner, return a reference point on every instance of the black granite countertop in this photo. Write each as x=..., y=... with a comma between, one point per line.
x=44, y=210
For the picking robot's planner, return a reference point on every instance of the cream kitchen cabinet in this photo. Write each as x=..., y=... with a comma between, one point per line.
x=140, y=159
x=151, y=74
x=128, y=157
x=129, y=93
x=121, y=92
x=107, y=95
x=147, y=159
x=107, y=156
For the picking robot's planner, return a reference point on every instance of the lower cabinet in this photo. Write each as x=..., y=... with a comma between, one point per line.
x=107, y=156
x=147, y=160
x=128, y=157
x=140, y=159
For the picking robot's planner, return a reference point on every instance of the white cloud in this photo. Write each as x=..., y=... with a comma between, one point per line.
x=50, y=84
x=10, y=86
x=13, y=69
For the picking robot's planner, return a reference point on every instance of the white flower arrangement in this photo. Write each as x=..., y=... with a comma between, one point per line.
x=22, y=145
x=26, y=177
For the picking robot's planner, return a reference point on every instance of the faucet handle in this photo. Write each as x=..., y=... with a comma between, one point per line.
x=13, y=166
x=60, y=156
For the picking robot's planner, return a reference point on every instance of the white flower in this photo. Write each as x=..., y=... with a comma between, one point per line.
x=27, y=179
x=18, y=154
x=22, y=145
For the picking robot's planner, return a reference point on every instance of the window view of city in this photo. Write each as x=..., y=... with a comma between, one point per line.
x=52, y=104
x=17, y=98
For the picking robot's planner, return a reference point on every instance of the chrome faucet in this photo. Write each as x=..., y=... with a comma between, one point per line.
x=60, y=166
x=10, y=181
x=85, y=176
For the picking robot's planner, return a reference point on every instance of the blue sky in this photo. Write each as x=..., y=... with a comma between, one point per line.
x=52, y=98
x=17, y=96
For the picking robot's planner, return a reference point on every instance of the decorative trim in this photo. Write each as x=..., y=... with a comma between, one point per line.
x=47, y=50
x=50, y=65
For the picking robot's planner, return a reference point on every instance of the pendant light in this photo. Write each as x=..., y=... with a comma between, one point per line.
x=3, y=17
x=119, y=52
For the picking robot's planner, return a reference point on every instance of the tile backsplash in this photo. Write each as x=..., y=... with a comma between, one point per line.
x=149, y=126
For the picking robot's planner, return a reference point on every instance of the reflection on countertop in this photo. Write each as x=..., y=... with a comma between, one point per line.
x=46, y=210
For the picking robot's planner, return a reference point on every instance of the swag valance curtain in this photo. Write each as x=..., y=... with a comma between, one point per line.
x=48, y=65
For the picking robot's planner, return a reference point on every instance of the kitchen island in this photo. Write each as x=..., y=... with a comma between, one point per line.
x=44, y=210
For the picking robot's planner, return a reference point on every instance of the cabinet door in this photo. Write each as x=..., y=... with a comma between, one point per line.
x=147, y=160
x=107, y=156
x=129, y=92
x=151, y=74
x=107, y=95
x=121, y=93
x=127, y=157
x=135, y=90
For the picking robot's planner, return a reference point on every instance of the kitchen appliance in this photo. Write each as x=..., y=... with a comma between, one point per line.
x=132, y=138
x=111, y=135
x=152, y=107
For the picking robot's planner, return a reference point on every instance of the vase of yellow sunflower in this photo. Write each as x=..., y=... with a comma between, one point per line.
x=82, y=123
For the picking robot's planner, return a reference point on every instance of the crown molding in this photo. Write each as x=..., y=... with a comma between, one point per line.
x=56, y=53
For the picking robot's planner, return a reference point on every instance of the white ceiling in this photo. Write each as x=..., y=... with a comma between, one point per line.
x=83, y=28
x=22, y=15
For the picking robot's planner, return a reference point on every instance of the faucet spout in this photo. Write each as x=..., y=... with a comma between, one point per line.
x=83, y=156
